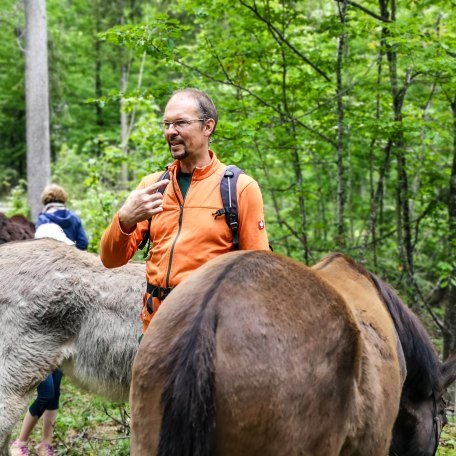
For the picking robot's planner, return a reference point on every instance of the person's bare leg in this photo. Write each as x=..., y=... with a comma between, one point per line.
x=27, y=427
x=19, y=446
x=49, y=418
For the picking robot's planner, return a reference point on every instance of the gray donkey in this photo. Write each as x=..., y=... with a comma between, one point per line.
x=59, y=306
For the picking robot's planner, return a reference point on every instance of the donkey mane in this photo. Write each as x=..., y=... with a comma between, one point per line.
x=423, y=373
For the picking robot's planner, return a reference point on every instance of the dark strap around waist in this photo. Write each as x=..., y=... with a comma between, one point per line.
x=158, y=292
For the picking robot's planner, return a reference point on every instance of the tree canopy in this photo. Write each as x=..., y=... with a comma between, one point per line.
x=344, y=111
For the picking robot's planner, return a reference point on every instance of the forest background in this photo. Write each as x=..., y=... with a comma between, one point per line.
x=344, y=111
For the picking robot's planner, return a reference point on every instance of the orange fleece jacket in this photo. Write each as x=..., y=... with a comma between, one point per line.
x=186, y=234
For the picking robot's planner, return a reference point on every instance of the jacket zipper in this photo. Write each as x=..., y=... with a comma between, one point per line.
x=181, y=215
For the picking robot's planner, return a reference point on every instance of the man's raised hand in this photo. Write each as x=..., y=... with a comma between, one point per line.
x=141, y=204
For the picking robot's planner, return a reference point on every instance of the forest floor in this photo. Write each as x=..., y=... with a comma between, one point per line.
x=448, y=439
x=88, y=425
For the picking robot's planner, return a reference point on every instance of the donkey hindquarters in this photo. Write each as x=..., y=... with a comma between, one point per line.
x=253, y=355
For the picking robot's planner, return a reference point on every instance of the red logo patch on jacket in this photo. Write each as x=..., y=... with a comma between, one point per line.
x=261, y=225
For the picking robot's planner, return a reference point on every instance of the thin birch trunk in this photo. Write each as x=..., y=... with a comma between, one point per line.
x=340, y=154
x=449, y=335
x=296, y=160
x=37, y=103
x=124, y=124
x=403, y=216
x=98, y=64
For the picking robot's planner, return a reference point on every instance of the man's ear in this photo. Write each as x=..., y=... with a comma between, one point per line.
x=209, y=127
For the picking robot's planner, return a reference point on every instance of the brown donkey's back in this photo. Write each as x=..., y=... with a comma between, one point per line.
x=255, y=354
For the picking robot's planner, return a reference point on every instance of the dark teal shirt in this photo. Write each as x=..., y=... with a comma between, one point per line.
x=184, y=180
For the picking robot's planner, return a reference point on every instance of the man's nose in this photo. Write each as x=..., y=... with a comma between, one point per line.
x=171, y=130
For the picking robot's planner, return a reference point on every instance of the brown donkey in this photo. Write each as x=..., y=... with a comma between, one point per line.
x=256, y=354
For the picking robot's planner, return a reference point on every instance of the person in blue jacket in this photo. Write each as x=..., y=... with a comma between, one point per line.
x=58, y=222
x=54, y=199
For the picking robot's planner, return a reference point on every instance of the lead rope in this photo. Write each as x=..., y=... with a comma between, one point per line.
x=437, y=423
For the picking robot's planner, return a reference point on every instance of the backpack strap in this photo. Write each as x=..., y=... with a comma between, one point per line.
x=228, y=184
x=146, y=238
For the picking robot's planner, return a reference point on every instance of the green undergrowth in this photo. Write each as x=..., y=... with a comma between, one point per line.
x=88, y=425
x=448, y=438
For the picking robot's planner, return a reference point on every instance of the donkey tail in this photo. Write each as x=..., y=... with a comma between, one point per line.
x=188, y=422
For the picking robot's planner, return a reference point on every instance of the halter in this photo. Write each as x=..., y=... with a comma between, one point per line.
x=436, y=425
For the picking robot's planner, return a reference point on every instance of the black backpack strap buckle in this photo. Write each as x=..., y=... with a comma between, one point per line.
x=220, y=212
x=158, y=292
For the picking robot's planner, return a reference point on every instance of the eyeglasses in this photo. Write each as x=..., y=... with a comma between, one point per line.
x=180, y=124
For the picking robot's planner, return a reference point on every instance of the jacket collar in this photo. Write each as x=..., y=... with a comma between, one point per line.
x=51, y=207
x=200, y=172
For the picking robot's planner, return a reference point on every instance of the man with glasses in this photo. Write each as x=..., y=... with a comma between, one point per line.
x=183, y=228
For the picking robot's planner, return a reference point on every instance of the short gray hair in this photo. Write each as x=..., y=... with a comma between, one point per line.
x=206, y=106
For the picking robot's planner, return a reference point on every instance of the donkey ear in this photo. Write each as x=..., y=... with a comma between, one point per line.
x=448, y=372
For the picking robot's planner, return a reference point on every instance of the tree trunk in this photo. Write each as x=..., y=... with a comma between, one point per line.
x=37, y=103
x=404, y=228
x=376, y=196
x=98, y=83
x=341, y=184
x=449, y=337
x=296, y=159
x=124, y=133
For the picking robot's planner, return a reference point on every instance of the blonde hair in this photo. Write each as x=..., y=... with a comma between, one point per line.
x=53, y=193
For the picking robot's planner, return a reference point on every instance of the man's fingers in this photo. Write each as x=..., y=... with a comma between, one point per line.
x=153, y=203
x=154, y=187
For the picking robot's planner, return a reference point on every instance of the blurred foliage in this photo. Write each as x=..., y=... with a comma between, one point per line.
x=17, y=200
x=270, y=68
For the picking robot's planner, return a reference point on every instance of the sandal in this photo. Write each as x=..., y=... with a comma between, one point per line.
x=19, y=448
x=44, y=449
